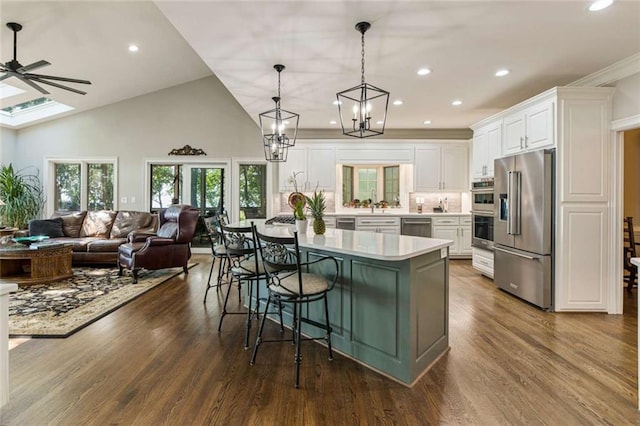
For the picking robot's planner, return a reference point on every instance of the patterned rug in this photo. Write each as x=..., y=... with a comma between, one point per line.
x=61, y=308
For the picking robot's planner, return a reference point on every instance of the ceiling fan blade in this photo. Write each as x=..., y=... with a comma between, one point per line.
x=4, y=77
x=33, y=66
x=51, y=77
x=32, y=84
x=60, y=86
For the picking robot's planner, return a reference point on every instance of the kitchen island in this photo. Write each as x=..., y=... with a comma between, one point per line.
x=389, y=309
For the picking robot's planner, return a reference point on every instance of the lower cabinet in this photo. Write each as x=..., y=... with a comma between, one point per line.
x=457, y=229
x=383, y=225
x=482, y=260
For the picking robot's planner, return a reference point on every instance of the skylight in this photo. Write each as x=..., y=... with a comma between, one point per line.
x=32, y=110
x=7, y=90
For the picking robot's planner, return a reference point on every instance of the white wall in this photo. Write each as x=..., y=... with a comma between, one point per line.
x=626, y=99
x=7, y=145
x=202, y=114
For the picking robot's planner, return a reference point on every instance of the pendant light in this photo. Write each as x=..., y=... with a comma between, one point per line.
x=363, y=108
x=279, y=128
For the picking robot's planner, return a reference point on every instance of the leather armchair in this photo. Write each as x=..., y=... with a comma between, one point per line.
x=168, y=248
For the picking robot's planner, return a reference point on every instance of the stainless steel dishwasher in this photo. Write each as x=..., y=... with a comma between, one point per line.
x=416, y=226
x=346, y=223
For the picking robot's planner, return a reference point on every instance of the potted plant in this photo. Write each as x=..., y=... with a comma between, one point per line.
x=317, y=205
x=301, y=219
x=21, y=195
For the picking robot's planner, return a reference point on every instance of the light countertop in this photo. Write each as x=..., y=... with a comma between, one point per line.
x=386, y=212
x=388, y=247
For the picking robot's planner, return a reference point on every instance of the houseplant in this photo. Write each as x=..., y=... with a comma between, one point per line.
x=21, y=195
x=301, y=219
x=317, y=205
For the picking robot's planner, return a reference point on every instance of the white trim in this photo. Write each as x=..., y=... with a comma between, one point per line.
x=48, y=177
x=618, y=127
x=610, y=74
x=627, y=123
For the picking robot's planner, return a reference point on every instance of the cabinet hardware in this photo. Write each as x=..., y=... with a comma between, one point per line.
x=526, y=141
x=521, y=140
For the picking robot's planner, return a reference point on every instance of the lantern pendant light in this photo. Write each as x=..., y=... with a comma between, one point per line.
x=279, y=128
x=363, y=108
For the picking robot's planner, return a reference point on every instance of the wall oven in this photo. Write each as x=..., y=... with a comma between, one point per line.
x=482, y=214
x=482, y=196
x=482, y=225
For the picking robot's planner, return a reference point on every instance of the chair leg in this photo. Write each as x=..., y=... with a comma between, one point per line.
x=224, y=307
x=328, y=325
x=259, y=337
x=632, y=280
x=298, y=357
x=213, y=264
x=221, y=271
x=119, y=270
x=294, y=324
x=249, y=313
x=134, y=271
x=185, y=269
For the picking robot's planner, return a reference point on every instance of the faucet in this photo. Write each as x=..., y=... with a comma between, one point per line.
x=373, y=198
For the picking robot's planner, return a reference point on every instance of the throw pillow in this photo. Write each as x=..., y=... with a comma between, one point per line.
x=49, y=227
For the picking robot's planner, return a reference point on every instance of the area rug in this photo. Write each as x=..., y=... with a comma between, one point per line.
x=61, y=308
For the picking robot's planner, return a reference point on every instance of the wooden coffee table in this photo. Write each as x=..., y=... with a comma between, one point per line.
x=24, y=265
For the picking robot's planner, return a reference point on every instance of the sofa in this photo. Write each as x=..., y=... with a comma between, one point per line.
x=95, y=235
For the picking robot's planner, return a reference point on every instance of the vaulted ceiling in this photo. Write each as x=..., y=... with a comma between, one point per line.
x=542, y=43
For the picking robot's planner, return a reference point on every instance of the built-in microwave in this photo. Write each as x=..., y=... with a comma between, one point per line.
x=482, y=225
x=482, y=196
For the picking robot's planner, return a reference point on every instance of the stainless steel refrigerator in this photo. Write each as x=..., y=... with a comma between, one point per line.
x=523, y=226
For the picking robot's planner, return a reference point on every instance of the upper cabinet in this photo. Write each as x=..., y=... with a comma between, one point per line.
x=441, y=168
x=529, y=129
x=313, y=167
x=487, y=145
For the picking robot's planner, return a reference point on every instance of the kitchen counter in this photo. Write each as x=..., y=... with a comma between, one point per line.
x=385, y=213
x=389, y=309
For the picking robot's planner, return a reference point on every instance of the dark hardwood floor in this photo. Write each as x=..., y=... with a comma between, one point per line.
x=160, y=360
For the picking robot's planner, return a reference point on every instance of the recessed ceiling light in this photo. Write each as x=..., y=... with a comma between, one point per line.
x=397, y=102
x=337, y=102
x=424, y=71
x=502, y=73
x=456, y=102
x=427, y=121
x=333, y=122
x=599, y=5
x=133, y=48
x=379, y=122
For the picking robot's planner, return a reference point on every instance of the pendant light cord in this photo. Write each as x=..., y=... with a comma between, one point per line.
x=362, y=80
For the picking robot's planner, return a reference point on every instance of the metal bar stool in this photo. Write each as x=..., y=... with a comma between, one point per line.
x=288, y=284
x=218, y=252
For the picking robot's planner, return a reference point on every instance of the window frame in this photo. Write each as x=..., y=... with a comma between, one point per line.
x=49, y=180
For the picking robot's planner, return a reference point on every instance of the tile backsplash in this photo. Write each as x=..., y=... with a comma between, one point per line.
x=431, y=200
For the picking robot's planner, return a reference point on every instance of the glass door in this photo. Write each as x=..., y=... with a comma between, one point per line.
x=205, y=188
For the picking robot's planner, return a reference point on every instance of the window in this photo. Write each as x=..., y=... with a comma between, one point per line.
x=166, y=185
x=392, y=184
x=347, y=185
x=367, y=183
x=83, y=185
x=207, y=190
x=253, y=191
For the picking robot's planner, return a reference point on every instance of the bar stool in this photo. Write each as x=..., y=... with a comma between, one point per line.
x=288, y=284
x=218, y=252
x=244, y=266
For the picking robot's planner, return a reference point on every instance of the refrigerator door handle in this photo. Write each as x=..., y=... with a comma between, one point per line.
x=514, y=203
x=515, y=253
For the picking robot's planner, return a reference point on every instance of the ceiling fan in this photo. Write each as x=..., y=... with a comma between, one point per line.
x=16, y=69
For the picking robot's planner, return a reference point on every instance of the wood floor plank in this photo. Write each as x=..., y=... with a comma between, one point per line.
x=160, y=360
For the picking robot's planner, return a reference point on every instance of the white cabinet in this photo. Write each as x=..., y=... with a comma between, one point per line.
x=482, y=260
x=441, y=168
x=383, y=225
x=529, y=129
x=457, y=229
x=314, y=167
x=487, y=146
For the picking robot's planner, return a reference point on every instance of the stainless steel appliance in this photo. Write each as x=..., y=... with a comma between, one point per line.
x=523, y=226
x=482, y=227
x=482, y=196
x=346, y=223
x=416, y=227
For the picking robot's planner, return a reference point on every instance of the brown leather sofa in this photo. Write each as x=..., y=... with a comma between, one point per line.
x=170, y=247
x=95, y=235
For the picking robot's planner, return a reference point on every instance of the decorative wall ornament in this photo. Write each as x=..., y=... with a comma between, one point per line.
x=187, y=150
